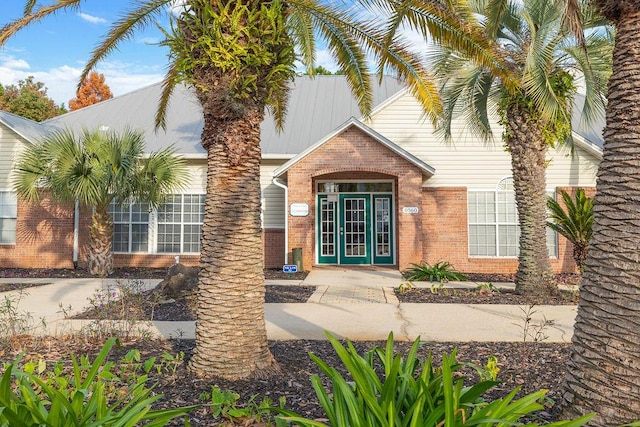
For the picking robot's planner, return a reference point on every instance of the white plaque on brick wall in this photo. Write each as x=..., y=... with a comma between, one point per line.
x=299, y=209
x=410, y=210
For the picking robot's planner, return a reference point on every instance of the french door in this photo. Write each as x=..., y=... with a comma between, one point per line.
x=355, y=229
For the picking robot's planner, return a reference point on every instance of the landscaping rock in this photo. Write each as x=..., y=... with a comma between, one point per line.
x=181, y=281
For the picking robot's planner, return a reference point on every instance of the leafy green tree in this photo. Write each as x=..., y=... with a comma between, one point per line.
x=29, y=99
x=321, y=71
x=534, y=104
x=574, y=223
x=95, y=169
x=239, y=57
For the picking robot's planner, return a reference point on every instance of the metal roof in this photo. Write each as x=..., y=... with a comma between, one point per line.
x=316, y=107
x=590, y=132
x=28, y=129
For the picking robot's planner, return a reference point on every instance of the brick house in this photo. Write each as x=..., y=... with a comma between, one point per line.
x=344, y=189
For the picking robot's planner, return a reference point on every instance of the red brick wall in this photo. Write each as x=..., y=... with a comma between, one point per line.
x=445, y=235
x=153, y=260
x=355, y=155
x=44, y=236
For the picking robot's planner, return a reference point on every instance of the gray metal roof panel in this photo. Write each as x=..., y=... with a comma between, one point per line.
x=137, y=110
x=316, y=107
x=28, y=129
x=591, y=132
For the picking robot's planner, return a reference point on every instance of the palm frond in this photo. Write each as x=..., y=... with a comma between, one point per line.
x=332, y=24
x=302, y=32
x=30, y=16
x=138, y=18
x=171, y=79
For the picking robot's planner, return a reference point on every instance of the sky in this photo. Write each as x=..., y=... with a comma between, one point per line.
x=56, y=49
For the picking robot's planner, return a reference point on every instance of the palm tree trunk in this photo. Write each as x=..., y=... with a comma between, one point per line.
x=603, y=372
x=100, y=257
x=231, y=338
x=528, y=157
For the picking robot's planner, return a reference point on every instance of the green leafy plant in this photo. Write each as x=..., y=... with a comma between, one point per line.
x=574, y=223
x=405, y=287
x=224, y=404
x=487, y=288
x=410, y=392
x=82, y=398
x=441, y=271
x=490, y=370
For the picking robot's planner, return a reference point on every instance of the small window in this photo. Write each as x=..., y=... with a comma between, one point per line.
x=8, y=217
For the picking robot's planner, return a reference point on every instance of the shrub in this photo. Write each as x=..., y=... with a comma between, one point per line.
x=441, y=271
x=82, y=398
x=410, y=392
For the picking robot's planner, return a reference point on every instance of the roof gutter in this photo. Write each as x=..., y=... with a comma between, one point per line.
x=280, y=184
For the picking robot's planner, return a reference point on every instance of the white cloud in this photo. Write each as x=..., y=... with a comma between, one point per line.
x=13, y=63
x=61, y=82
x=91, y=18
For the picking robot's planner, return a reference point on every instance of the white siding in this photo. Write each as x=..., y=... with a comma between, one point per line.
x=10, y=147
x=273, y=209
x=272, y=196
x=467, y=161
x=197, y=173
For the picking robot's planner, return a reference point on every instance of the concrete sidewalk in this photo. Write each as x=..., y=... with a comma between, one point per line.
x=358, y=304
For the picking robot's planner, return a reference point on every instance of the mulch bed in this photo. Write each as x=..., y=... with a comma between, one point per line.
x=472, y=296
x=530, y=366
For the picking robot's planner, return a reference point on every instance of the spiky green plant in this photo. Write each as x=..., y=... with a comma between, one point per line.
x=441, y=271
x=573, y=221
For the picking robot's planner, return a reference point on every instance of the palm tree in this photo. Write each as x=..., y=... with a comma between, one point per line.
x=239, y=56
x=603, y=373
x=574, y=223
x=534, y=107
x=96, y=169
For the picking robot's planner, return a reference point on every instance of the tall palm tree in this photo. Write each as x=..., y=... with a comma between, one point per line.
x=239, y=56
x=534, y=107
x=603, y=372
x=575, y=223
x=95, y=169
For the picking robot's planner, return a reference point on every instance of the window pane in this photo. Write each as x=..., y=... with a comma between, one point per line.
x=508, y=240
x=8, y=215
x=130, y=227
x=120, y=241
x=168, y=238
x=482, y=240
x=7, y=231
x=139, y=238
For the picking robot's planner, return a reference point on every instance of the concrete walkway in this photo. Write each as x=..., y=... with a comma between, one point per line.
x=356, y=303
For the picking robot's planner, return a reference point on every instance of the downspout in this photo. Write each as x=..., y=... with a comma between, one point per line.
x=76, y=230
x=277, y=183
